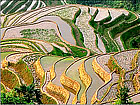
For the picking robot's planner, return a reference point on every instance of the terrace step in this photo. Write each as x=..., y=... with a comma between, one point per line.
x=95, y=79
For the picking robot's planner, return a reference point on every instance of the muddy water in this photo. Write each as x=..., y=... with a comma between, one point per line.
x=64, y=28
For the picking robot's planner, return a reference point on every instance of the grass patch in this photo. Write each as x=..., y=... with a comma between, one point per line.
x=77, y=52
x=58, y=52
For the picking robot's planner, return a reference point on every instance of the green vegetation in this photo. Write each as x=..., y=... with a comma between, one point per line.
x=22, y=95
x=5, y=19
x=4, y=54
x=100, y=29
x=35, y=5
x=9, y=7
x=27, y=4
x=5, y=4
x=76, y=15
x=123, y=97
x=3, y=90
x=77, y=34
x=17, y=6
x=49, y=35
x=58, y=52
x=127, y=38
x=25, y=43
x=132, y=5
x=92, y=22
x=29, y=43
x=77, y=52
x=135, y=42
x=123, y=26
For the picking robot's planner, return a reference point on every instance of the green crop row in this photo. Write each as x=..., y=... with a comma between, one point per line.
x=9, y=7
x=17, y=6
x=115, y=21
x=24, y=40
x=25, y=43
x=26, y=6
x=135, y=42
x=3, y=24
x=5, y=4
x=35, y=5
x=123, y=26
x=130, y=17
x=77, y=52
x=128, y=35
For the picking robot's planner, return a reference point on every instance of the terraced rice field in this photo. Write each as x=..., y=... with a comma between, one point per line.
x=95, y=79
x=66, y=13
x=75, y=54
x=60, y=67
x=103, y=61
x=124, y=59
x=18, y=31
x=25, y=5
x=4, y=54
x=72, y=72
x=48, y=61
x=103, y=13
x=64, y=28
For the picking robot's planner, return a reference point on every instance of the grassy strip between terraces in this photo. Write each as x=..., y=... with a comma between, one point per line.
x=124, y=25
x=17, y=6
x=75, y=51
x=9, y=7
x=26, y=40
x=9, y=79
x=3, y=24
x=100, y=29
x=25, y=43
x=77, y=34
x=127, y=36
x=23, y=71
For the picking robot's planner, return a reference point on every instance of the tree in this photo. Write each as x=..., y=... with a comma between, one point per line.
x=22, y=95
x=123, y=97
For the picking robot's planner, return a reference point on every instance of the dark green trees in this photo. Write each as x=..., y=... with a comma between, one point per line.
x=22, y=95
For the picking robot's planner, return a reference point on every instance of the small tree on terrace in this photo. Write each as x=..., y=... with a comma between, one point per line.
x=123, y=97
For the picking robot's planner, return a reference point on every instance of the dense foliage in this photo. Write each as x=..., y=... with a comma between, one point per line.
x=22, y=95
x=133, y=5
